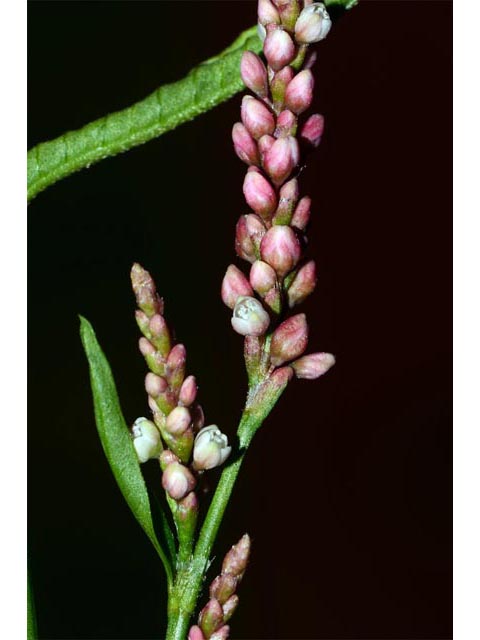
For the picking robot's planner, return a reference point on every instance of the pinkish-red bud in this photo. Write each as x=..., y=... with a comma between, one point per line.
x=289, y=11
x=248, y=235
x=256, y=117
x=211, y=617
x=167, y=457
x=154, y=385
x=281, y=249
x=254, y=74
x=188, y=391
x=244, y=145
x=142, y=321
x=267, y=14
x=195, y=633
x=289, y=340
x=176, y=362
x=279, y=49
x=234, y=285
x=155, y=360
x=145, y=291
x=301, y=215
x=223, y=587
x=221, y=634
x=262, y=277
x=178, y=421
x=235, y=561
x=303, y=284
x=286, y=124
x=160, y=335
x=229, y=607
x=281, y=158
x=313, y=365
x=299, y=93
x=279, y=83
x=312, y=130
x=287, y=200
x=177, y=480
x=259, y=194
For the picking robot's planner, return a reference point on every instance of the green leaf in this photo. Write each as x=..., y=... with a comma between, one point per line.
x=116, y=440
x=31, y=617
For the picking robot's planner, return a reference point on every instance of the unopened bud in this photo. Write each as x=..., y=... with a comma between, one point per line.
x=299, y=93
x=249, y=317
x=256, y=117
x=155, y=385
x=146, y=439
x=234, y=285
x=198, y=418
x=262, y=277
x=235, y=562
x=259, y=194
x=177, y=480
x=167, y=457
x=176, y=362
x=188, y=391
x=211, y=617
x=301, y=215
x=313, y=24
x=160, y=335
x=221, y=634
x=142, y=321
x=286, y=124
x=312, y=130
x=279, y=48
x=195, y=633
x=229, y=607
x=187, y=514
x=287, y=200
x=145, y=291
x=279, y=83
x=264, y=145
x=211, y=448
x=178, y=421
x=248, y=234
x=281, y=249
x=281, y=158
x=273, y=300
x=313, y=365
x=254, y=74
x=267, y=13
x=303, y=284
x=244, y=145
x=223, y=587
x=261, y=31
x=289, y=340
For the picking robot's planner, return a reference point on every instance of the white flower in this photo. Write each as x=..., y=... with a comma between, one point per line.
x=211, y=448
x=313, y=24
x=249, y=317
x=146, y=439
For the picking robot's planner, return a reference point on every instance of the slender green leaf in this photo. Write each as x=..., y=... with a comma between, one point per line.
x=116, y=440
x=31, y=617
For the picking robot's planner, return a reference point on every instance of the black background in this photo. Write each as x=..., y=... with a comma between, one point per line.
x=347, y=489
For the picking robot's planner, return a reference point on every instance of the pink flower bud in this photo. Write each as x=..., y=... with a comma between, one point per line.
x=281, y=249
x=286, y=124
x=313, y=24
x=142, y=321
x=262, y=277
x=249, y=317
x=234, y=285
x=301, y=215
x=259, y=194
x=178, y=421
x=287, y=200
x=279, y=84
x=195, y=633
x=299, y=93
x=256, y=117
x=160, y=335
x=177, y=480
x=229, y=607
x=254, y=74
x=167, y=457
x=221, y=634
x=248, y=235
x=302, y=285
x=267, y=13
x=235, y=561
x=155, y=385
x=188, y=391
x=279, y=49
x=223, y=587
x=154, y=358
x=211, y=617
x=146, y=439
x=264, y=145
x=281, y=158
x=312, y=130
x=289, y=11
x=273, y=300
x=244, y=145
x=211, y=448
x=289, y=340
x=176, y=365
x=145, y=291
x=313, y=365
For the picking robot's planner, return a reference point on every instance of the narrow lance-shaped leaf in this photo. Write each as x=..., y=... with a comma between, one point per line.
x=116, y=440
x=31, y=617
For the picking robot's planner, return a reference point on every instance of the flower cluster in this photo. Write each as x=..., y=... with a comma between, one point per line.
x=271, y=138
x=223, y=598
x=177, y=433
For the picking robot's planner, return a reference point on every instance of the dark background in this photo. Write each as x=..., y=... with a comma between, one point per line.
x=347, y=489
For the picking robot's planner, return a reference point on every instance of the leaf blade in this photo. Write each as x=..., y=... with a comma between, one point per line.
x=115, y=439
